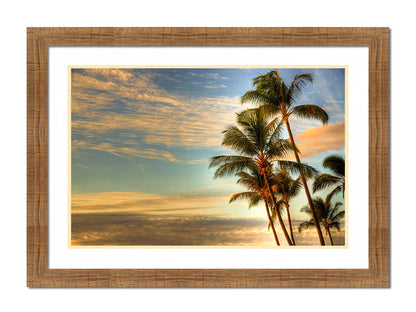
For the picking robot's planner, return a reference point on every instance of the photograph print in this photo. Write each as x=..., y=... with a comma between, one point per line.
x=175, y=157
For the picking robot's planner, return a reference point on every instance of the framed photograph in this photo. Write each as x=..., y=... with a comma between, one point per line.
x=208, y=157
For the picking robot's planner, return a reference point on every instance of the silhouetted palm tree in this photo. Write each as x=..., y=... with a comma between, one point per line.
x=271, y=92
x=254, y=182
x=288, y=188
x=328, y=214
x=337, y=165
x=258, y=144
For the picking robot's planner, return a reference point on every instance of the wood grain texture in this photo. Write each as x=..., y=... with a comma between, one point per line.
x=38, y=41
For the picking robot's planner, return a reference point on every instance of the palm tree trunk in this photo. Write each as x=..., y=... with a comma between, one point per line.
x=305, y=186
x=279, y=217
x=290, y=221
x=271, y=222
x=329, y=234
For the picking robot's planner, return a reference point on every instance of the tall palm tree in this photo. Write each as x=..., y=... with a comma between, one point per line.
x=272, y=93
x=288, y=188
x=258, y=144
x=254, y=182
x=328, y=214
x=337, y=165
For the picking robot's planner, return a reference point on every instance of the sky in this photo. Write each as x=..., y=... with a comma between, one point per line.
x=140, y=149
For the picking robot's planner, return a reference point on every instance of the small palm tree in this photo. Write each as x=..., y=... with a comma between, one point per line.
x=272, y=93
x=337, y=165
x=288, y=188
x=258, y=144
x=328, y=214
x=254, y=182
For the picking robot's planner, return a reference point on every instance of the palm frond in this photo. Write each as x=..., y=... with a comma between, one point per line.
x=325, y=180
x=335, y=224
x=279, y=148
x=235, y=139
x=255, y=201
x=306, y=225
x=320, y=206
x=297, y=85
x=280, y=206
x=337, y=206
x=257, y=97
x=328, y=206
x=339, y=215
x=275, y=122
x=275, y=130
x=223, y=159
x=306, y=209
x=243, y=196
x=269, y=81
x=336, y=164
x=254, y=125
x=336, y=190
x=295, y=187
x=229, y=169
x=229, y=165
x=296, y=168
x=273, y=109
x=311, y=112
x=249, y=182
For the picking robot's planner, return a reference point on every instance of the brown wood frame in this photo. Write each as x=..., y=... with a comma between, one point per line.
x=38, y=41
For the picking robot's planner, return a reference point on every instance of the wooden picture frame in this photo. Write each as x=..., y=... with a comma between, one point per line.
x=38, y=42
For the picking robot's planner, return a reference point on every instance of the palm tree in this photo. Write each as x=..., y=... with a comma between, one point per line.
x=271, y=92
x=337, y=165
x=258, y=144
x=288, y=188
x=254, y=182
x=328, y=214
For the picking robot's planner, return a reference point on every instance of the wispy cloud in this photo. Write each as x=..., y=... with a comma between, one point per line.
x=215, y=76
x=131, y=152
x=134, y=202
x=328, y=92
x=126, y=152
x=125, y=113
x=215, y=86
x=111, y=106
x=322, y=139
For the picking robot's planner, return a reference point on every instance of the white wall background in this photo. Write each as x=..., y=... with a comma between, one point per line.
x=17, y=15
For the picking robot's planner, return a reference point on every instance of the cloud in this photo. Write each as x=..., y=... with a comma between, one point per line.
x=197, y=123
x=98, y=88
x=134, y=202
x=215, y=86
x=109, y=229
x=132, y=218
x=125, y=152
x=131, y=152
x=215, y=76
x=322, y=139
x=111, y=106
x=81, y=166
x=151, y=230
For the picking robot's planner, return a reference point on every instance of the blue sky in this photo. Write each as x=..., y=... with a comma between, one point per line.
x=153, y=130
